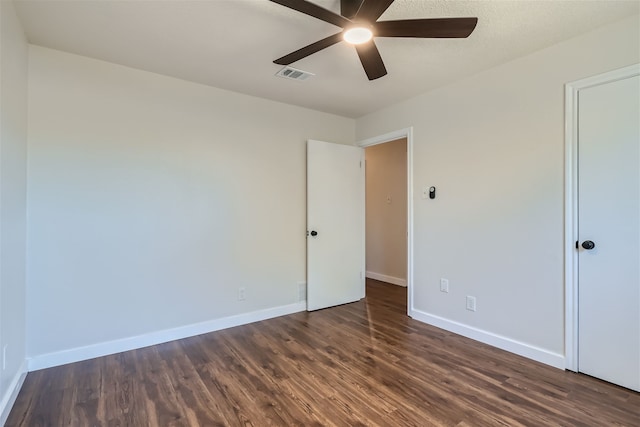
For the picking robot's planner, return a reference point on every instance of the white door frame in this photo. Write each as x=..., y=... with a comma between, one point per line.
x=388, y=137
x=571, y=203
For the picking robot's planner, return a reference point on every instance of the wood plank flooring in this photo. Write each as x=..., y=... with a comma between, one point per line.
x=359, y=364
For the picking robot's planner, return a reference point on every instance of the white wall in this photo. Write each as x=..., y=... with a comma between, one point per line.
x=493, y=146
x=13, y=149
x=152, y=200
x=386, y=218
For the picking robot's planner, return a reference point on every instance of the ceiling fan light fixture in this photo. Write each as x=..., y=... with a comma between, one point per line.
x=359, y=23
x=357, y=35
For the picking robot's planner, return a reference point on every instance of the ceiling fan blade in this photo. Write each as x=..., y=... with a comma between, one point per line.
x=349, y=8
x=371, y=10
x=316, y=11
x=371, y=60
x=310, y=49
x=426, y=28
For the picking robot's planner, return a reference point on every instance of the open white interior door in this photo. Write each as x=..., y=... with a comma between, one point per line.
x=335, y=224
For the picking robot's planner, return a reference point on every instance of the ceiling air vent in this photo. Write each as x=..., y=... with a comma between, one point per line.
x=294, y=74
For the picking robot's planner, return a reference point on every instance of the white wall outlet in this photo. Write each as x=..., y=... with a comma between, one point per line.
x=444, y=285
x=302, y=291
x=242, y=294
x=471, y=303
x=4, y=357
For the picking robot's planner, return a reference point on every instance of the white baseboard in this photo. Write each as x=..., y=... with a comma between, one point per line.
x=522, y=349
x=105, y=348
x=388, y=279
x=10, y=396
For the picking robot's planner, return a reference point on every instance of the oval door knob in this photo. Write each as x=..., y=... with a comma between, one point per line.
x=588, y=245
x=314, y=233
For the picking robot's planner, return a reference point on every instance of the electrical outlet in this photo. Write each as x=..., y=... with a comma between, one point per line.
x=242, y=294
x=471, y=303
x=444, y=285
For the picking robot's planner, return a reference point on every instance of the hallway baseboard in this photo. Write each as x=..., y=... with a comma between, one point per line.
x=388, y=279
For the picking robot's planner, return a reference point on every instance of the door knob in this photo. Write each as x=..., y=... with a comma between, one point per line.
x=314, y=233
x=588, y=245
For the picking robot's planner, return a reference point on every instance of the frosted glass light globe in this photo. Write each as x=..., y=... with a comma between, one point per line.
x=357, y=35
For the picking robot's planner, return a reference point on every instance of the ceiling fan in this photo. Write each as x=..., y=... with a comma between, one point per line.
x=359, y=22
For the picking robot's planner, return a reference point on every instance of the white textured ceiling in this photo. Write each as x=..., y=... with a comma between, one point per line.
x=230, y=44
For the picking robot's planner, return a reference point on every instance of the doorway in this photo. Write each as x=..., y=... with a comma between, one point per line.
x=603, y=227
x=388, y=211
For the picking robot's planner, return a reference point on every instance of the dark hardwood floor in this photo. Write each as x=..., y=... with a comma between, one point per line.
x=364, y=363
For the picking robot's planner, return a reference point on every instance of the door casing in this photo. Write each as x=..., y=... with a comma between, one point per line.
x=571, y=203
x=388, y=137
